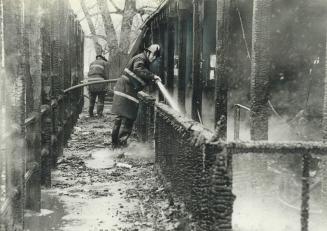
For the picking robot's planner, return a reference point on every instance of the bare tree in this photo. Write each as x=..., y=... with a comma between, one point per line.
x=118, y=51
x=112, y=42
x=94, y=36
x=126, y=27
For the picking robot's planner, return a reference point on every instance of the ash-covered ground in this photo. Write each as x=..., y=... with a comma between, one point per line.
x=96, y=188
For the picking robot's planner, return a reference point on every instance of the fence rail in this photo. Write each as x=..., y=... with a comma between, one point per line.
x=201, y=171
x=36, y=114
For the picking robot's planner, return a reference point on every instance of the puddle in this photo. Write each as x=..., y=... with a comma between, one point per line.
x=50, y=217
x=101, y=159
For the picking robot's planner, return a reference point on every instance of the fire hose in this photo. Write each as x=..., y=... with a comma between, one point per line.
x=89, y=83
x=161, y=87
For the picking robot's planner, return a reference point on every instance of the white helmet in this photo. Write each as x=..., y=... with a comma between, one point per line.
x=154, y=49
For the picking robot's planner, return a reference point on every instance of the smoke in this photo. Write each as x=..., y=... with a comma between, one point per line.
x=140, y=150
x=268, y=194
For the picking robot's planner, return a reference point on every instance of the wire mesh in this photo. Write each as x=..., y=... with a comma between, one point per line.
x=144, y=123
x=199, y=173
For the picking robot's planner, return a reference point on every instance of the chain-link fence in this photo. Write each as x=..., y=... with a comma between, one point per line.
x=37, y=64
x=280, y=185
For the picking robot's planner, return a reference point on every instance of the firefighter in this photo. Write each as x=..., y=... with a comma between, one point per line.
x=134, y=78
x=99, y=70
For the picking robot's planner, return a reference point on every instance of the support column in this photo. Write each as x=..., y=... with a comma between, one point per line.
x=196, y=73
x=33, y=61
x=162, y=72
x=182, y=28
x=222, y=53
x=324, y=121
x=15, y=69
x=170, y=37
x=47, y=152
x=260, y=68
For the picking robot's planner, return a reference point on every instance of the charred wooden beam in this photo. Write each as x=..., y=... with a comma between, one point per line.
x=170, y=38
x=46, y=153
x=260, y=68
x=33, y=138
x=163, y=60
x=15, y=69
x=222, y=53
x=324, y=122
x=196, y=62
x=182, y=40
x=305, y=194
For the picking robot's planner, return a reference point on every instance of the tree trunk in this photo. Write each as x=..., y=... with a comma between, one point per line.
x=260, y=68
x=126, y=27
x=109, y=29
x=97, y=46
x=222, y=53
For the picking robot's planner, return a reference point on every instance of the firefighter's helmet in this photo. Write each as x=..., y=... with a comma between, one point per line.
x=154, y=49
x=102, y=57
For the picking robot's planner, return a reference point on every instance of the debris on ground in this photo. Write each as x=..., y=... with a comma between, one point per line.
x=105, y=189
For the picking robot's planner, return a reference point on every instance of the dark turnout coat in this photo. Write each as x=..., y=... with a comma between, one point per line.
x=134, y=78
x=99, y=70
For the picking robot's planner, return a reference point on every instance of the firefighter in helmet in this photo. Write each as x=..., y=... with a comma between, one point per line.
x=134, y=78
x=99, y=70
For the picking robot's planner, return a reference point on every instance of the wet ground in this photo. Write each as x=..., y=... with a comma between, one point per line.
x=96, y=188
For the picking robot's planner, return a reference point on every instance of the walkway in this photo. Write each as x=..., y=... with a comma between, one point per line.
x=95, y=188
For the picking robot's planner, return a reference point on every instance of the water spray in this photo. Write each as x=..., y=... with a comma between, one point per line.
x=167, y=96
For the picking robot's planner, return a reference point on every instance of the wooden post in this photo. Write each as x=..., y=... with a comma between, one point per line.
x=260, y=69
x=33, y=46
x=182, y=27
x=47, y=152
x=67, y=78
x=75, y=73
x=196, y=74
x=305, y=193
x=324, y=122
x=61, y=9
x=54, y=36
x=15, y=69
x=82, y=65
x=170, y=38
x=221, y=78
x=162, y=31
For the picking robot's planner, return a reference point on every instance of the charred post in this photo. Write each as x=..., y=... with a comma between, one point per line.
x=67, y=79
x=162, y=59
x=324, y=122
x=305, y=194
x=222, y=53
x=182, y=41
x=15, y=69
x=197, y=81
x=33, y=57
x=47, y=152
x=170, y=38
x=260, y=68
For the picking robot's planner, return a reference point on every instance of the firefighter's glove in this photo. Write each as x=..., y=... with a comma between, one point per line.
x=156, y=78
